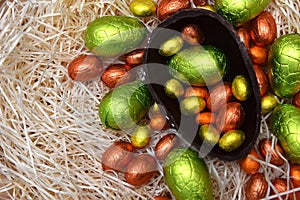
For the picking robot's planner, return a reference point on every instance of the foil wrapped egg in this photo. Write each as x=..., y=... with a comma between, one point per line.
x=187, y=176
x=256, y=187
x=240, y=11
x=262, y=79
x=241, y=88
x=231, y=116
x=142, y=8
x=248, y=164
x=166, y=8
x=266, y=149
x=263, y=29
x=117, y=156
x=296, y=100
x=284, y=65
x=140, y=169
x=281, y=186
x=285, y=123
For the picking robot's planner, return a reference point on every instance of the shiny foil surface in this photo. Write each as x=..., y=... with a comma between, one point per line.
x=239, y=11
x=187, y=176
x=111, y=36
x=285, y=123
x=284, y=65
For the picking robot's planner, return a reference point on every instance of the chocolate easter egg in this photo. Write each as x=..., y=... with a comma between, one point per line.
x=285, y=123
x=284, y=65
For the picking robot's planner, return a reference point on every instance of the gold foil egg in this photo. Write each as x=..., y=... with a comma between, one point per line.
x=256, y=187
x=231, y=140
x=173, y=88
x=268, y=103
x=209, y=134
x=263, y=29
x=266, y=149
x=248, y=164
x=171, y=46
x=140, y=136
x=241, y=89
x=142, y=8
x=192, y=34
x=141, y=169
x=192, y=105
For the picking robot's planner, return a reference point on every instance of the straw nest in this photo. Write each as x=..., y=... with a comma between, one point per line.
x=51, y=138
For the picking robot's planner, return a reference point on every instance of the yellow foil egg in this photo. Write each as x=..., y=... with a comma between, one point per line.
x=140, y=136
x=142, y=8
x=268, y=103
x=171, y=46
x=241, y=88
x=232, y=140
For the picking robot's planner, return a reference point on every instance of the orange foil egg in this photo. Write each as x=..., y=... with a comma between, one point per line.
x=159, y=122
x=266, y=149
x=256, y=187
x=197, y=91
x=165, y=145
x=116, y=74
x=263, y=29
x=258, y=55
x=134, y=58
x=230, y=117
x=161, y=198
x=281, y=185
x=85, y=68
x=296, y=100
x=117, y=156
x=192, y=34
x=200, y=2
x=295, y=174
x=166, y=8
x=248, y=164
x=141, y=169
x=219, y=96
x=262, y=80
x=205, y=118
x=244, y=36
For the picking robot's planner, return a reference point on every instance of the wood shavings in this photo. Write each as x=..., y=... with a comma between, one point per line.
x=51, y=138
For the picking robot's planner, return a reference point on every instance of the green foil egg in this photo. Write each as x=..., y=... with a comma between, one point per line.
x=285, y=124
x=239, y=11
x=199, y=65
x=187, y=176
x=284, y=65
x=111, y=36
x=125, y=105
